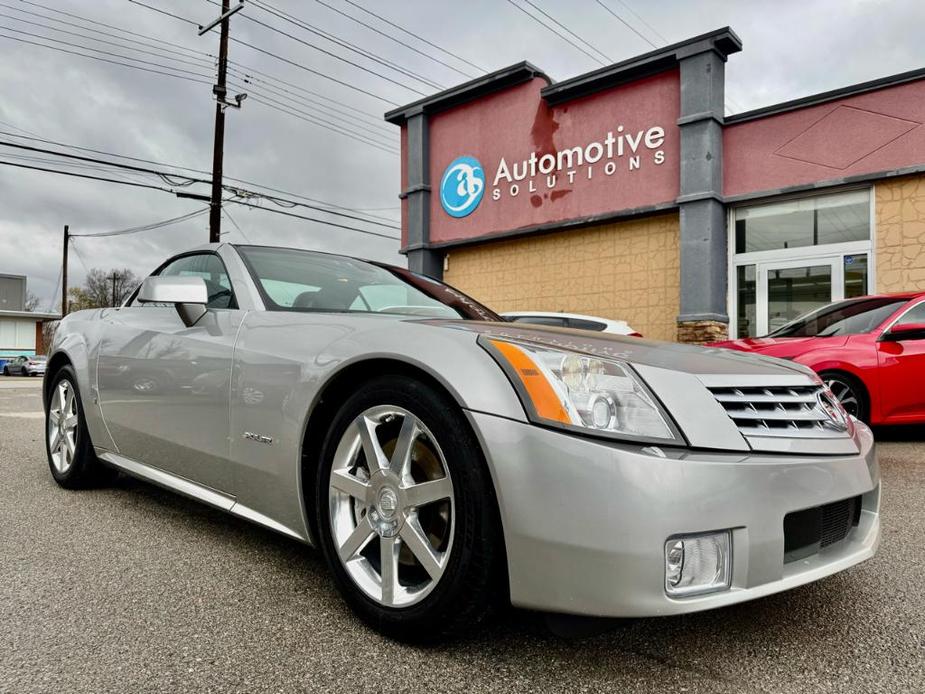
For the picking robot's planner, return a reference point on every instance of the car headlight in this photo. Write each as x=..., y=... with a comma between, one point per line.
x=581, y=392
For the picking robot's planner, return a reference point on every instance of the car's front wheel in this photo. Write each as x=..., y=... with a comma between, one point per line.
x=71, y=458
x=406, y=512
x=850, y=392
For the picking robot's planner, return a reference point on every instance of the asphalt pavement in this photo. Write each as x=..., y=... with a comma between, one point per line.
x=133, y=589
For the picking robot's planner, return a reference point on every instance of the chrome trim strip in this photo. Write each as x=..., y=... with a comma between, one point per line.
x=198, y=492
x=171, y=481
x=250, y=514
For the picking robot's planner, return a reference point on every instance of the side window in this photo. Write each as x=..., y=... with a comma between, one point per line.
x=583, y=324
x=914, y=315
x=211, y=268
x=541, y=320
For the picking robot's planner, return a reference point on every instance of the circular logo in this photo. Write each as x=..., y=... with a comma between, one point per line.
x=462, y=186
x=387, y=503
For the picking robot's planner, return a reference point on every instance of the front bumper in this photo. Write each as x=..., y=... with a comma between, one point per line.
x=585, y=521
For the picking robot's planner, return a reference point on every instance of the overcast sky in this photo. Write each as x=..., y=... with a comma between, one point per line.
x=791, y=49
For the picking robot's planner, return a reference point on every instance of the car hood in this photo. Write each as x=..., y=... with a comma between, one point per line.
x=781, y=347
x=667, y=355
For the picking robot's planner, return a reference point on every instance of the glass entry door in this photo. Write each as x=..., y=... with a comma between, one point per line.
x=795, y=287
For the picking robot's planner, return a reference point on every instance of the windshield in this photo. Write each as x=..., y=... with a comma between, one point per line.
x=295, y=280
x=842, y=318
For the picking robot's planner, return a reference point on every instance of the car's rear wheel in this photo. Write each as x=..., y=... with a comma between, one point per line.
x=406, y=512
x=850, y=392
x=71, y=459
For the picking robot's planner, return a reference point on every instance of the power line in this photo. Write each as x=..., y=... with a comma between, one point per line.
x=187, y=168
x=205, y=61
x=557, y=33
x=165, y=12
x=92, y=178
x=643, y=37
x=626, y=24
x=315, y=119
x=239, y=202
x=641, y=19
x=565, y=28
x=202, y=57
x=112, y=26
x=109, y=53
x=264, y=99
x=343, y=43
x=144, y=227
x=314, y=219
x=236, y=225
x=165, y=176
x=314, y=72
x=333, y=55
x=410, y=33
x=258, y=49
x=325, y=109
x=128, y=167
x=104, y=60
x=249, y=71
x=392, y=38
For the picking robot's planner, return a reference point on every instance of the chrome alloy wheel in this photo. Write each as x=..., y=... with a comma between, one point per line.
x=62, y=426
x=845, y=394
x=391, y=506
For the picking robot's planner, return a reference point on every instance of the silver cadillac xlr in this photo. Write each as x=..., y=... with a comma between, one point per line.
x=448, y=463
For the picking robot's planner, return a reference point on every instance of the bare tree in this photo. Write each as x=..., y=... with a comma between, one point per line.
x=103, y=288
x=32, y=302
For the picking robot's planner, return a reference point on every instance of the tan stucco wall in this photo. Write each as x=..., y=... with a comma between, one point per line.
x=900, y=234
x=628, y=270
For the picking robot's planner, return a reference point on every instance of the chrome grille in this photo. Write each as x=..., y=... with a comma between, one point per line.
x=784, y=411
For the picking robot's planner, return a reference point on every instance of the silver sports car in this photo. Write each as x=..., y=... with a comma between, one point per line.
x=447, y=462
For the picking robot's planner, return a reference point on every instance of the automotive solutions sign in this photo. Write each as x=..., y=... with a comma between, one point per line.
x=512, y=162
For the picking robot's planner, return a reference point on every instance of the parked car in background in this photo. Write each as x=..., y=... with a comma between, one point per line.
x=870, y=351
x=446, y=461
x=571, y=320
x=25, y=366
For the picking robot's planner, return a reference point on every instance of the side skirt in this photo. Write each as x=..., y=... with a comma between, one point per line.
x=196, y=491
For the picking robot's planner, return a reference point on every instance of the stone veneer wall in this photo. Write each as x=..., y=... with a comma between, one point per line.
x=626, y=270
x=698, y=332
x=899, y=210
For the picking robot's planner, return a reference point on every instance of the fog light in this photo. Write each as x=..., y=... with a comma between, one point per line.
x=696, y=564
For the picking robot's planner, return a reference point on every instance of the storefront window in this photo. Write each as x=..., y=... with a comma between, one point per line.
x=855, y=275
x=795, y=291
x=822, y=220
x=745, y=287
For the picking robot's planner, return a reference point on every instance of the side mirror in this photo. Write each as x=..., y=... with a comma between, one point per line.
x=905, y=331
x=188, y=294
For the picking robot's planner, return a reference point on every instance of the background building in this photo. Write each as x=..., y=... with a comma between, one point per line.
x=626, y=193
x=20, y=330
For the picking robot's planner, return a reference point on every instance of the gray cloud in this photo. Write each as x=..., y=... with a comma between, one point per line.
x=791, y=49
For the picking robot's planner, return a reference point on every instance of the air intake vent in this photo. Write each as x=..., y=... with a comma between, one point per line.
x=784, y=411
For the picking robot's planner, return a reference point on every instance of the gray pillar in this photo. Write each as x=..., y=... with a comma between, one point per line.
x=417, y=196
x=702, y=214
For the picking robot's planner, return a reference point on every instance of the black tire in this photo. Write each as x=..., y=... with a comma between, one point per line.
x=6, y=371
x=85, y=469
x=472, y=586
x=850, y=392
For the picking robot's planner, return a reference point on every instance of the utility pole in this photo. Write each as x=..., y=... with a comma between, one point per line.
x=114, y=276
x=221, y=103
x=67, y=238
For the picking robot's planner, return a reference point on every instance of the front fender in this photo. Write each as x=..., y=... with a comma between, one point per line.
x=77, y=340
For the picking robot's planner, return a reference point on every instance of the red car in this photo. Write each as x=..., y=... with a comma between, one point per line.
x=869, y=350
